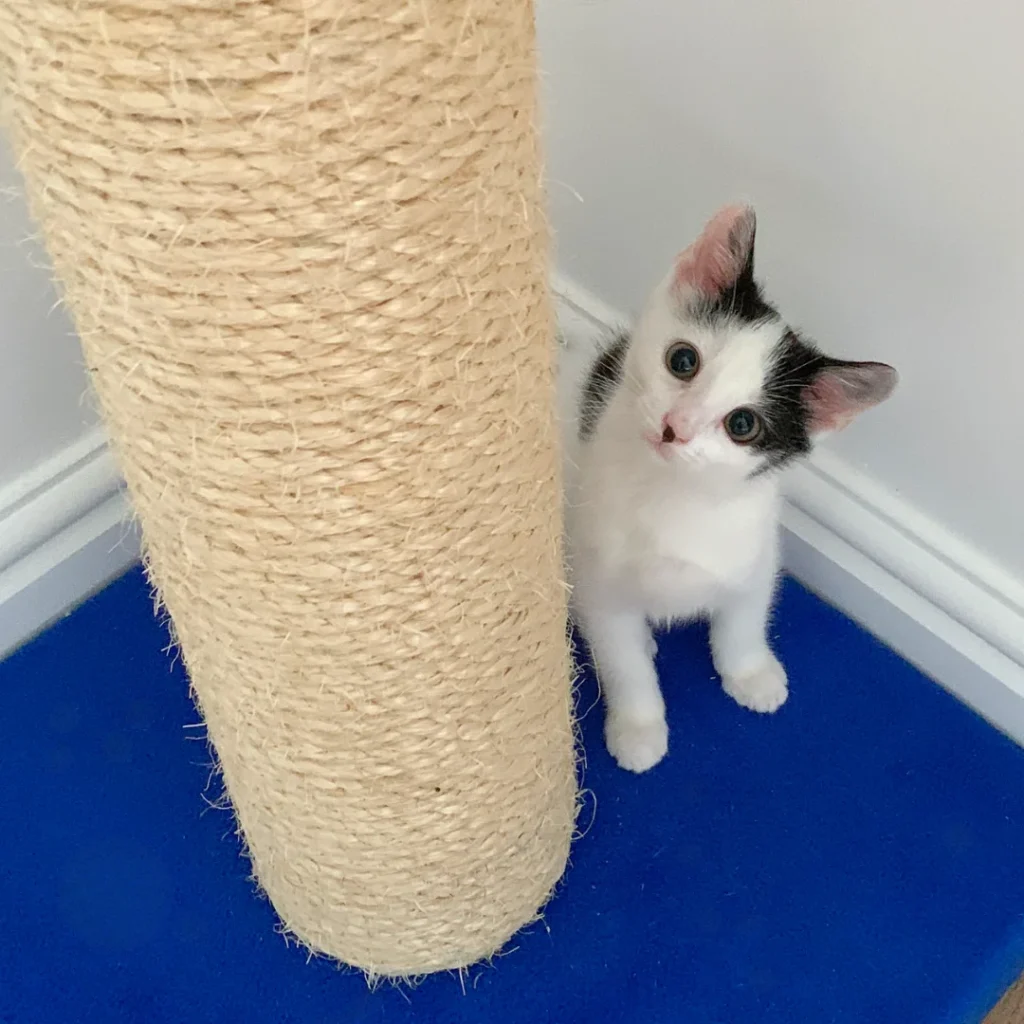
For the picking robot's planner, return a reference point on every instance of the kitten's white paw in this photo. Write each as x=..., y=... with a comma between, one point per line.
x=637, y=746
x=652, y=647
x=762, y=690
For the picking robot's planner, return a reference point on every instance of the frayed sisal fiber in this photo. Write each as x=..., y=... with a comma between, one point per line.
x=304, y=248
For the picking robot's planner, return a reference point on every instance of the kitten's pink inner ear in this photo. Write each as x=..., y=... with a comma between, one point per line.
x=717, y=258
x=838, y=394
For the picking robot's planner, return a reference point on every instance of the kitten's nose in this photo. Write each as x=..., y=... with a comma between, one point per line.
x=675, y=429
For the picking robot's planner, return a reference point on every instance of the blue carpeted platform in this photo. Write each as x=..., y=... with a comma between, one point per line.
x=857, y=859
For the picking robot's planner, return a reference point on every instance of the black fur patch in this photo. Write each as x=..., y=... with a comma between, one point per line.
x=786, y=436
x=604, y=377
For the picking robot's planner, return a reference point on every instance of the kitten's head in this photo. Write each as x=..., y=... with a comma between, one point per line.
x=719, y=377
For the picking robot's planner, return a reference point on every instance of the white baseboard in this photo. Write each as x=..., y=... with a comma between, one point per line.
x=65, y=531
x=936, y=600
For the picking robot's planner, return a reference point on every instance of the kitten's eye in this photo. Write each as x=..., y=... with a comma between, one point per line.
x=682, y=360
x=743, y=425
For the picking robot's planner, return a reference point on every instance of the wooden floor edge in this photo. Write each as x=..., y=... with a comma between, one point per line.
x=1011, y=1007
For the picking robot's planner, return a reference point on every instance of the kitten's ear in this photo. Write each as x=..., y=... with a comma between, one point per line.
x=841, y=390
x=722, y=255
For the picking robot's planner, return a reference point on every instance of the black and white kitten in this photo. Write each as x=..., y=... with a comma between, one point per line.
x=672, y=473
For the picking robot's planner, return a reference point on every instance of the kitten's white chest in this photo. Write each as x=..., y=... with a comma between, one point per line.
x=662, y=543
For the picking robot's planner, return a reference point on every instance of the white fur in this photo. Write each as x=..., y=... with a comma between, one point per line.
x=666, y=533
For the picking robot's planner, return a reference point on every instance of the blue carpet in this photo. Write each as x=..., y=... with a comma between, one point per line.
x=857, y=858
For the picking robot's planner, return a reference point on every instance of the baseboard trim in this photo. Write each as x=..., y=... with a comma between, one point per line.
x=65, y=531
x=921, y=590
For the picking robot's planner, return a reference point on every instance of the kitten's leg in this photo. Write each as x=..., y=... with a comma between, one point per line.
x=750, y=673
x=620, y=643
x=652, y=646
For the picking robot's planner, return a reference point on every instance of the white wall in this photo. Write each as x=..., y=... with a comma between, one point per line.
x=883, y=145
x=43, y=403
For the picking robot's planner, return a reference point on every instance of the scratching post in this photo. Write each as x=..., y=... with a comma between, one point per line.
x=302, y=242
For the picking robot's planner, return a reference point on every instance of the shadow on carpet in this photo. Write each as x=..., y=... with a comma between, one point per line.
x=858, y=857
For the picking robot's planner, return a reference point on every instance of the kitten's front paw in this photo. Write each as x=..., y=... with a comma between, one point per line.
x=637, y=746
x=652, y=647
x=762, y=690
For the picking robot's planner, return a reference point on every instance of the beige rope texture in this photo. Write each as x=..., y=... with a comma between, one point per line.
x=304, y=249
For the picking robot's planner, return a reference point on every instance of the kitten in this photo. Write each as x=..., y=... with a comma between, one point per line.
x=673, y=477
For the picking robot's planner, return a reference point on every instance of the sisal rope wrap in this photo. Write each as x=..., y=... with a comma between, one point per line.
x=302, y=242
